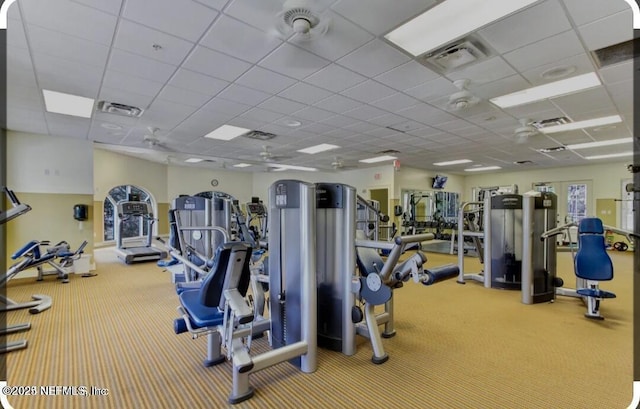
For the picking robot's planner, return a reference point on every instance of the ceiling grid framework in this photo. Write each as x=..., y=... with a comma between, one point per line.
x=196, y=65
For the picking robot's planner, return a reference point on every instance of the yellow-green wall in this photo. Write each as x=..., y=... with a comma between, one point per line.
x=51, y=218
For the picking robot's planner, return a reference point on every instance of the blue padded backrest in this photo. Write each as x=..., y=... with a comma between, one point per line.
x=592, y=261
x=369, y=261
x=591, y=225
x=230, y=270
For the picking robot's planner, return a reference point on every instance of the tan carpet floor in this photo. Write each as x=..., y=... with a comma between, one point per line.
x=457, y=346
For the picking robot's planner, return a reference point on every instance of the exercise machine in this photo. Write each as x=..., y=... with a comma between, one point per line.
x=501, y=241
x=220, y=309
x=128, y=210
x=258, y=221
x=40, y=302
x=339, y=247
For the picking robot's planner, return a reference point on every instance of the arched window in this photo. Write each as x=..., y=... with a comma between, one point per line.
x=132, y=227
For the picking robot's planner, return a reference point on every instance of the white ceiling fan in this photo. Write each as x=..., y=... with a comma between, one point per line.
x=462, y=99
x=525, y=131
x=338, y=164
x=300, y=21
x=152, y=140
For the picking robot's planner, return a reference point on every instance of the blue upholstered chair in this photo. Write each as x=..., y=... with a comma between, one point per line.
x=593, y=264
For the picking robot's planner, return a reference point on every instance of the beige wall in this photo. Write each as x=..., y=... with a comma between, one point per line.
x=112, y=169
x=51, y=218
x=189, y=180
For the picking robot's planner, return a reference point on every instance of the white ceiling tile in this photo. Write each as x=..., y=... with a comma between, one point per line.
x=111, y=7
x=381, y=15
x=31, y=126
x=364, y=112
x=425, y=132
x=368, y=91
x=20, y=67
x=489, y=70
x=73, y=19
x=141, y=40
x=534, y=110
x=262, y=115
x=395, y=102
x=432, y=89
x=15, y=32
x=166, y=114
x=67, y=126
x=373, y=59
x=335, y=78
x=318, y=128
x=183, y=18
x=341, y=38
x=127, y=82
x=525, y=27
x=305, y=93
x=407, y=126
x=196, y=82
x=501, y=87
x=21, y=116
x=387, y=119
x=216, y=4
x=243, y=95
x=247, y=43
x=125, y=122
x=546, y=51
x=581, y=64
x=14, y=13
x=420, y=112
x=617, y=73
x=19, y=96
x=265, y=80
x=313, y=114
x=608, y=31
x=586, y=11
x=225, y=106
x=140, y=66
x=215, y=64
x=60, y=45
x=407, y=76
x=61, y=75
x=257, y=13
x=339, y=121
x=183, y=96
x=281, y=105
x=293, y=61
x=360, y=127
x=589, y=100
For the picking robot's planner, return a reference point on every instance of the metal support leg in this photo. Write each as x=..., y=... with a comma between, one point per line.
x=214, y=353
x=379, y=356
x=389, y=330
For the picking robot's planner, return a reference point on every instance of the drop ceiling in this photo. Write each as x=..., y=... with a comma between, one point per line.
x=193, y=66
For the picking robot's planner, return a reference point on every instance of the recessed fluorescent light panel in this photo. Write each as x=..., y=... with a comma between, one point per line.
x=598, y=144
x=226, y=132
x=550, y=90
x=291, y=167
x=242, y=165
x=610, y=155
x=450, y=20
x=67, y=104
x=194, y=160
x=589, y=123
x=323, y=147
x=378, y=159
x=453, y=162
x=480, y=169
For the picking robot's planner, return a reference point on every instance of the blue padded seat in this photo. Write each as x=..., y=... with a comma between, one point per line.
x=205, y=305
x=369, y=261
x=595, y=292
x=592, y=261
x=32, y=245
x=200, y=315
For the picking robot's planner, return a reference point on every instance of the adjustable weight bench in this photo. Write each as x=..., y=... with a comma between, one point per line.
x=593, y=264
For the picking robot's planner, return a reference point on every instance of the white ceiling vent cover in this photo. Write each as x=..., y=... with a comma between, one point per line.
x=454, y=57
x=119, y=109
